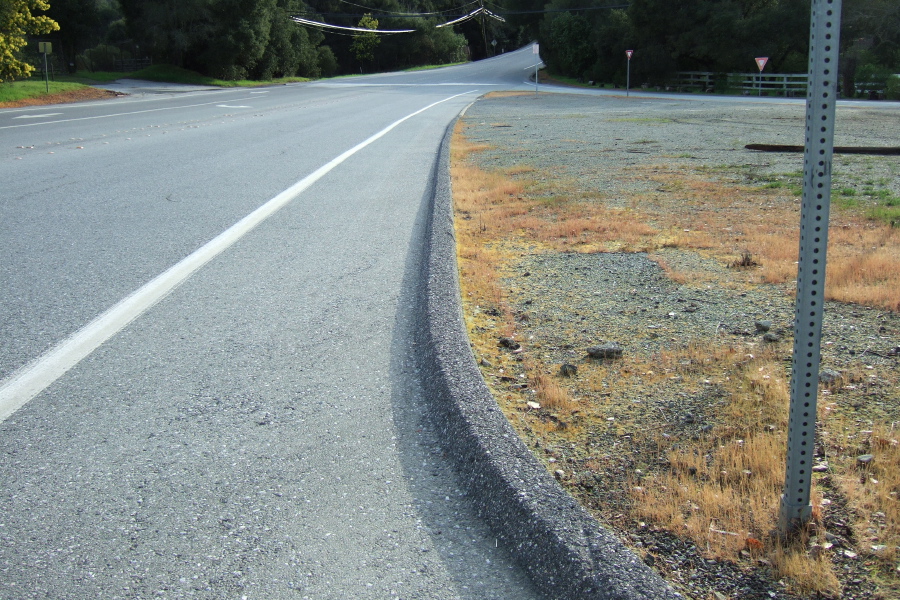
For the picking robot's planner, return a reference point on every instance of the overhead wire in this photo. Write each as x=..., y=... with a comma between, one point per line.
x=321, y=25
x=463, y=18
x=403, y=14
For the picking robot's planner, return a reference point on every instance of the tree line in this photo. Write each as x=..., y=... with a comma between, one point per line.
x=586, y=39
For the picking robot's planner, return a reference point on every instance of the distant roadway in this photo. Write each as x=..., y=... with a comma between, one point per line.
x=207, y=370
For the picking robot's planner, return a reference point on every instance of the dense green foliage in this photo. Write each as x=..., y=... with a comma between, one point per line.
x=588, y=39
x=582, y=39
x=19, y=19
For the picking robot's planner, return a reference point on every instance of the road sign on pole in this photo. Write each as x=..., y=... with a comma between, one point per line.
x=46, y=48
x=761, y=63
x=824, y=42
x=536, y=50
x=628, y=53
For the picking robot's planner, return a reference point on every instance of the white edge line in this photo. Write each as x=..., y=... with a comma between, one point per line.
x=136, y=112
x=26, y=383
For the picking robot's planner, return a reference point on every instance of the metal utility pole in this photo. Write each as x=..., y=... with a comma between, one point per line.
x=821, y=97
x=483, y=34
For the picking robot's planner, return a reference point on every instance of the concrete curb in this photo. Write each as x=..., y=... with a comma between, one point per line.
x=567, y=554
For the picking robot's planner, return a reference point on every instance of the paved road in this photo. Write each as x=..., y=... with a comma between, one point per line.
x=201, y=405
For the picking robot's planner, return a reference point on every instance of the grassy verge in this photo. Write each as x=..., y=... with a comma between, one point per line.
x=170, y=74
x=429, y=67
x=23, y=90
x=719, y=489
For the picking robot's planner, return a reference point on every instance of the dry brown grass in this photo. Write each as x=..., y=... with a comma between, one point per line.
x=725, y=219
x=551, y=395
x=871, y=489
x=721, y=491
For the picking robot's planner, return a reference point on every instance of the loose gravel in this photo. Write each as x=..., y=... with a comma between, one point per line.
x=566, y=302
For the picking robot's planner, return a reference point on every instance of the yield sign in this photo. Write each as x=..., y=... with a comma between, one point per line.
x=628, y=53
x=761, y=62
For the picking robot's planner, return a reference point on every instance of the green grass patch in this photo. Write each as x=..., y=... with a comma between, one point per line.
x=428, y=67
x=32, y=88
x=845, y=201
x=171, y=74
x=885, y=213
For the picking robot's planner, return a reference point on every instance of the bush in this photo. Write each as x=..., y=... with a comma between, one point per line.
x=328, y=64
x=892, y=88
x=100, y=58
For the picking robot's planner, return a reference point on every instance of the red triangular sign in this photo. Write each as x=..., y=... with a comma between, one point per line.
x=761, y=62
x=628, y=53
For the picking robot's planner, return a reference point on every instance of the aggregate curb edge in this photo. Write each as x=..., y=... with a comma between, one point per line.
x=565, y=551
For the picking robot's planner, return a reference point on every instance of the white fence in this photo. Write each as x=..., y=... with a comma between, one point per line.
x=770, y=84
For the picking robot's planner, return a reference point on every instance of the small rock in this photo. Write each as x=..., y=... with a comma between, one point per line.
x=829, y=376
x=607, y=350
x=510, y=343
x=533, y=405
x=865, y=459
x=771, y=337
x=763, y=326
x=567, y=370
x=820, y=467
x=485, y=363
x=559, y=473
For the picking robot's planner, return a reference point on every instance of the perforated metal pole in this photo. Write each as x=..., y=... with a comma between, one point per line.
x=821, y=97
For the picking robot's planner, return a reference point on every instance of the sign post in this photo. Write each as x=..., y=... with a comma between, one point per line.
x=821, y=98
x=761, y=63
x=628, y=53
x=537, y=52
x=46, y=48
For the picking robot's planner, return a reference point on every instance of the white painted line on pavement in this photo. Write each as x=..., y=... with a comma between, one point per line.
x=136, y=112
x=230, y=106
x=26, y=383
x=44, y=116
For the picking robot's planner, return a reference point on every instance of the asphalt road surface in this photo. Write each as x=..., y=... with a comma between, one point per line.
x=207, y=374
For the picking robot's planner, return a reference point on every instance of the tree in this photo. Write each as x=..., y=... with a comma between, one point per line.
x=17, y=22
x=364, y=44
x=79, y=27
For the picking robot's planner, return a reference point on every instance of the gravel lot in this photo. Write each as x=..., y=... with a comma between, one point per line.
x=564, y=302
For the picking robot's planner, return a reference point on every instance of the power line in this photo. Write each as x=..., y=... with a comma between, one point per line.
x=401, y=14
x=321, y=25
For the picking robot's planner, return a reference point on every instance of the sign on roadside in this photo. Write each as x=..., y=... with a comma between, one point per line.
x=761, y=62
x=534, y=49
x=629, y=54
x=46, y=48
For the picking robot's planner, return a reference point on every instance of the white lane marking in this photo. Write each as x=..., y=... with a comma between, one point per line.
x=136, y=112
x=230, y=106
x=263, y=92
x=26, y=383
x=355, y=84
x=44, y=116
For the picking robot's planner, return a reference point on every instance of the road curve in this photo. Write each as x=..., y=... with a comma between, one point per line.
x=259, y=429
